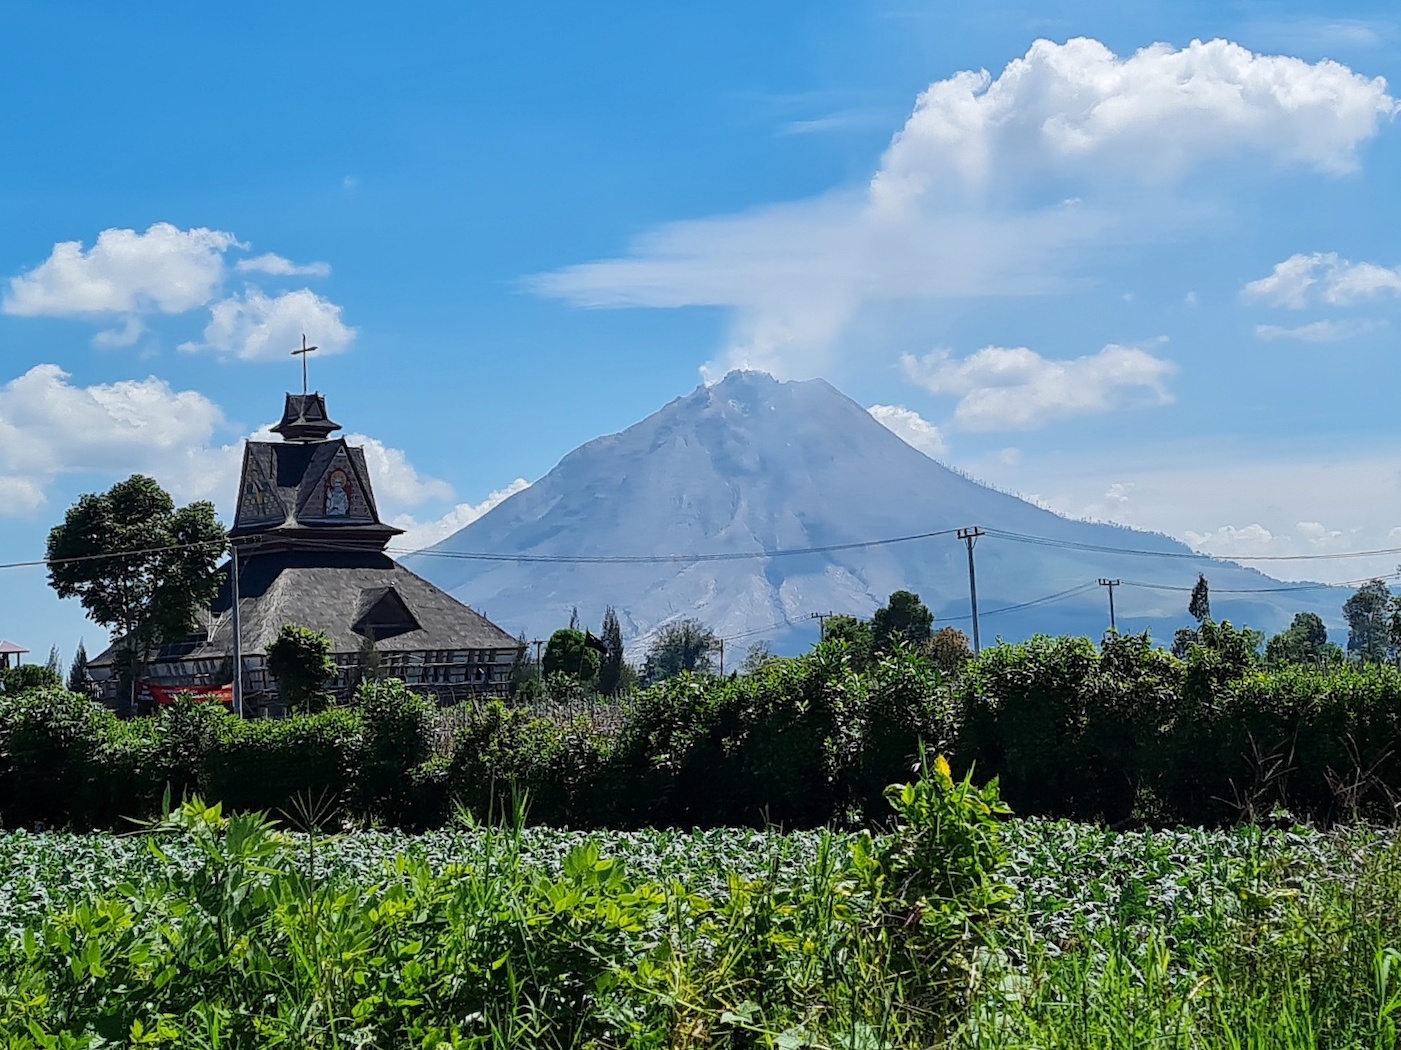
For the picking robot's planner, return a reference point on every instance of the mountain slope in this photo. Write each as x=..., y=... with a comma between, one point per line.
x=752, y=465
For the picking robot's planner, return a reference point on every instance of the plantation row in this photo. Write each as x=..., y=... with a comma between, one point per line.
x=1110, y=733
x=957, y=929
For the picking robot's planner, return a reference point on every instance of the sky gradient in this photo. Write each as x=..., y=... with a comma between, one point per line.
x=1137, y=264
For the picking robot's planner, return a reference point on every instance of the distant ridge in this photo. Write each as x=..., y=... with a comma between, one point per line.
x=752, y=464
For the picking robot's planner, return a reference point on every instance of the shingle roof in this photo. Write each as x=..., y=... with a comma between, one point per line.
x=332, y=591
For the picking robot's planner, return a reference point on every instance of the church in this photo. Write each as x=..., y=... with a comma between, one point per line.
x=310, y=550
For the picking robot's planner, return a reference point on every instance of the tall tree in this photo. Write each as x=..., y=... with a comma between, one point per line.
x=610, y=671
x=685, y=645
x=1368, y=619
x=1305, y=641
x=1199, y=606
x=53, y=662
x=78, y=670
x=140, y=566
x=903, y=619
x=567, y=654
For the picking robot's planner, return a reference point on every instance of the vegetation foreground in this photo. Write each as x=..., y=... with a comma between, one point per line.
x=956, y=928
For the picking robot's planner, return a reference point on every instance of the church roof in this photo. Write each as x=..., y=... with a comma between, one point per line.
x=350, y=595
x=302, y=490
x=304, y=418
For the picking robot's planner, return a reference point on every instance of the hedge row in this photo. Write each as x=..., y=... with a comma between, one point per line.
x=1112, y=732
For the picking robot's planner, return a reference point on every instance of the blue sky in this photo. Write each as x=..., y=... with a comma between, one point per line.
x=1155, y=286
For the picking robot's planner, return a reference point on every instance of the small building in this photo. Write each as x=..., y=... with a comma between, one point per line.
x=10, y=654
x=311, y=551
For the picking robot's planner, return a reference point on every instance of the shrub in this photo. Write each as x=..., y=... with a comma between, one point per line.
x=49, y=742
x=272, y=765
x=29, y=677
x=300, y=660
x=397, y=736
x=502, y=756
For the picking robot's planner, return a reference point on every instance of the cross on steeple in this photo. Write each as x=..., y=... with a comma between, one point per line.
x=302, y=354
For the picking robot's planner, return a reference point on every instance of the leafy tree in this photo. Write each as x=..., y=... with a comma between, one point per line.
x=78, y=671
x=1183, y=639
x=681, y=646
x=1368, y=619
x=903, y=619
x=29, y=678
x=948, y=650
x=856, y=633
x=566, y=654
x=1304, y=642
x=610, y=671
x=1199, y=605
x=139, y=566
x=759, y=655
x=300, y=660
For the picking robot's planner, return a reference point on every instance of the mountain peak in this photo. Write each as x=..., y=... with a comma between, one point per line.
x=698, y=494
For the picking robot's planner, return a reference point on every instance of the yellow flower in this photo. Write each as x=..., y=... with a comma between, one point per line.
x=941, y=766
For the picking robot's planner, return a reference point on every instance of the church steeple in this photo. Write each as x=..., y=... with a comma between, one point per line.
x=304, y=419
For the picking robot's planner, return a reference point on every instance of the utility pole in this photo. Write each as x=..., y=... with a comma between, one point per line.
x=539, y=667
x=821, y=619
x=722, y=656
x=1111, y=584
x=970, y=536
x=237, y=633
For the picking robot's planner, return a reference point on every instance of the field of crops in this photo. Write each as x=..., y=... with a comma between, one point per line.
x=1179, y=938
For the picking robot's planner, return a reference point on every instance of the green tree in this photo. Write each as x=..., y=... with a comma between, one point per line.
x=1199, y=605
x=610, y=671
x=53, y=662
x=140, y=566
x=1304, y=642
x=681, y=646
x=856, y=633
x=903, y=619
x=300, y=660
x=566, y=654
x=29, y=678
x=1368, y=615
x=78, y=671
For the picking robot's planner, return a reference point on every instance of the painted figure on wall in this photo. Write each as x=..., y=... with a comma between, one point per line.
x=337, y=494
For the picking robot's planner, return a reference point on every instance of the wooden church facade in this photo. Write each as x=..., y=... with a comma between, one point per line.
x=311, y=551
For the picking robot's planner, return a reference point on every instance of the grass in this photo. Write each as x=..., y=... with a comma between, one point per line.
x=225, y=933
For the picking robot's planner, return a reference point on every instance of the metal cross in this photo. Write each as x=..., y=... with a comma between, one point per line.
x=302, y=353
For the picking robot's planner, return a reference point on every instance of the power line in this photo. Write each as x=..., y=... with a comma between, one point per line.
x=657, y=559
x=115, y=554
x=1048, y=541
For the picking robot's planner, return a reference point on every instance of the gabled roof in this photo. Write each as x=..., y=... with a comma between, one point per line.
x=346, y=594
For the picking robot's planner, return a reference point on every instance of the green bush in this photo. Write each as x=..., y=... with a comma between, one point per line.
x=503, y=757
x=278, y=765
x=397, y=736
x=49, y=743
x=28, y=677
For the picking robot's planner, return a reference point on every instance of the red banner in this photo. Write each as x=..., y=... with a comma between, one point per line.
x=164, y=694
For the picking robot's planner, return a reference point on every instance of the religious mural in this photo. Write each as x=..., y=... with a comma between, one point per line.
x=338, y=493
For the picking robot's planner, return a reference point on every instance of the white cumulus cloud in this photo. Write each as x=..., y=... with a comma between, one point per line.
x=1322, y=277
x=257, y=327
x=164, y=270
x=48, y=426
x=953, y=209
x=418, y=535
x=277, y=266
x=910, y=426
x=1015, y=388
